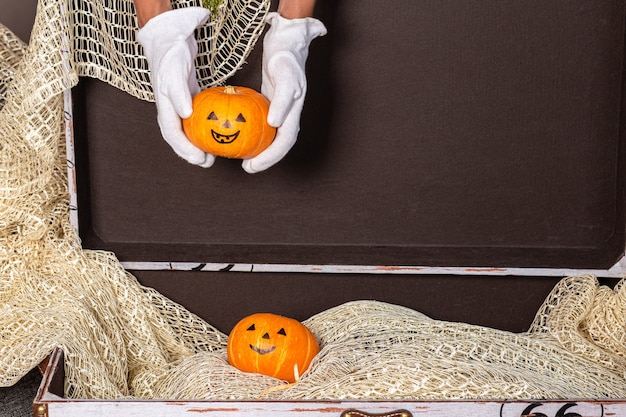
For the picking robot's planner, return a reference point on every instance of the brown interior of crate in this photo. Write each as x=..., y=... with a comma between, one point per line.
x=433, y=134
x=442, y=134
x=223, y=298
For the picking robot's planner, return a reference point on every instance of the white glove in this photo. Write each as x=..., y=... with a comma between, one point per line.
x=170, y=46
x=285, y=50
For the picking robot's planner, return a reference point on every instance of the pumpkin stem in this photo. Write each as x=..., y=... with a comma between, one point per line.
x=229, y=89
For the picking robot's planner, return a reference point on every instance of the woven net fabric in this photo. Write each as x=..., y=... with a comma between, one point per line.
x=124, y=340
x=103, y=42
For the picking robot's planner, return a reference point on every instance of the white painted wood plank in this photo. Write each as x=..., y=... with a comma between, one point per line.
x=616, y=271
x=86, y=408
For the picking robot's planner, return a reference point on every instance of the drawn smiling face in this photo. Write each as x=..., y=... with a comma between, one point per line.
x=225, y=132
x=230, y=122
x=266, y=339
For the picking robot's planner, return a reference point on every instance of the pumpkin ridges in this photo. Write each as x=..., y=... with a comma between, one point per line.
x=308, y=357
x=261, y=142
x=265, y=142
x=267, y=132
x=239, y=145
x=280, y=362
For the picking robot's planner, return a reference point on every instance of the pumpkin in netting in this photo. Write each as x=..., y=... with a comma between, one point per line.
x=272, y=345
x=230, y=122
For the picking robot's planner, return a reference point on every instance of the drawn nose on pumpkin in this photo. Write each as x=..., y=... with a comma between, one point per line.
x=227, y=124
x=266, y=336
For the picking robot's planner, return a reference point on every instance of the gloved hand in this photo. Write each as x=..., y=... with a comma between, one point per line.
x=170, y=47
x=285, y=50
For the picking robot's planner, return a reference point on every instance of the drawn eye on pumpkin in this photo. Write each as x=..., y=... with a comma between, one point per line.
x=251, y=328
x=212, y=116
x=282, y=332
x=240, y=118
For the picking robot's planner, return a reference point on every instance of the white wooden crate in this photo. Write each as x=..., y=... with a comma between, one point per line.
x=50, y=400
x=49, y=403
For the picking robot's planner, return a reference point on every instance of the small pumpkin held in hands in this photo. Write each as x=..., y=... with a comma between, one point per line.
x=230, y=122
x=271, y=345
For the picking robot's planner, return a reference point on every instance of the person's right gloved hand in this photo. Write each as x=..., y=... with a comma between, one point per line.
x=170, y=46
x=284, y=82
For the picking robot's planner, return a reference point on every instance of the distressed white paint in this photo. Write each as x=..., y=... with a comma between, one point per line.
x=318, y=409
x=617, y=271
x=71, y=159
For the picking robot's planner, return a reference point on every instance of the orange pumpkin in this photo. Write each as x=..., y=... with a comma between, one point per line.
x=230, y=122
x=272, y=345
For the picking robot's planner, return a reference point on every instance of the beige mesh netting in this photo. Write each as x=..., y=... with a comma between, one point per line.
x=124, y=340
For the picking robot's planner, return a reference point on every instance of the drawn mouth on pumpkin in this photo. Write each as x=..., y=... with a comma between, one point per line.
x=219, y=138
x=262, y=351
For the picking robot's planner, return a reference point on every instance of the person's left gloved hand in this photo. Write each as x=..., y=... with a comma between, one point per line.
x=170, y=46
x=285, y=50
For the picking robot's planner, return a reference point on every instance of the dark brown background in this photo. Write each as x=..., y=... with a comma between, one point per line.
x=18, y=15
